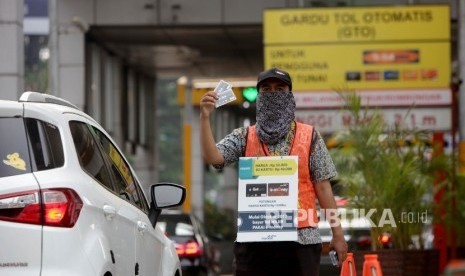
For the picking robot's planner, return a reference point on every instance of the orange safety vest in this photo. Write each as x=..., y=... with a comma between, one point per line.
x=300, y=147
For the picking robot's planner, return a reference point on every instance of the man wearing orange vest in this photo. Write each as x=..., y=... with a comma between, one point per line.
x=276, y=133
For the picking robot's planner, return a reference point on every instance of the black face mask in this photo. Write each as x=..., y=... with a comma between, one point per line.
x=275, y=113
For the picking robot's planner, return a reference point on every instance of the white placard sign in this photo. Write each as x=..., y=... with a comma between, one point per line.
x=267, y=199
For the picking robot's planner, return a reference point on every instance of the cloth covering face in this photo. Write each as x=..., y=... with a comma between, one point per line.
x=275, y=113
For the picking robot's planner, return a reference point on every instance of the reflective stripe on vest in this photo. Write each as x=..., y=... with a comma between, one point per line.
x=300, y=147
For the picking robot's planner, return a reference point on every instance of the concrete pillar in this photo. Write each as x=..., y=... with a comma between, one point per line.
x=226, y=124
x=461, y=50
x=197, y=189
x=69, y=21
x=117, y=92
x=11, y=49
x=144, y=159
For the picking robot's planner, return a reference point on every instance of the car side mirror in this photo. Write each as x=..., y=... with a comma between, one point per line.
x=165, y=195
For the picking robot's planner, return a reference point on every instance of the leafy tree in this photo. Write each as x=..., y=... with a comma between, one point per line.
x=386, y=167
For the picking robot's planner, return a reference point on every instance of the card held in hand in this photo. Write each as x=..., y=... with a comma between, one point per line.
x=225, y=93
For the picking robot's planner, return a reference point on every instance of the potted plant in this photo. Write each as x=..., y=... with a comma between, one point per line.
x=389, y=169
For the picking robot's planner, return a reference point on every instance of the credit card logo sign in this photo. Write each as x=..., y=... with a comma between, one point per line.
x=391, y=75
x=372, y=76
x=278, y=189
x=255, y=190
x=410, y=74
x=429, y=74
x=353, y=76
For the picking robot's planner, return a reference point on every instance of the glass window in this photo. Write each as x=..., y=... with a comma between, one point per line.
x=88, y=153
x=46, y=145
x=176, y=225
x=13, y=147
x=126, y=184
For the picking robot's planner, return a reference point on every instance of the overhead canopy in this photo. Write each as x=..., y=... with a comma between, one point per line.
x=202, y=51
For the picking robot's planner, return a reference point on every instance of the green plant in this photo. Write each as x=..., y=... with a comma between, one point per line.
x=386, y=168
x=457, y=214
x=450, y=211
x=219, y=222
x=36, y=77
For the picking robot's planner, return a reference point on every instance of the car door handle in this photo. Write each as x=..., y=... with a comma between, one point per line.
x=109, y=212
x=141, y=226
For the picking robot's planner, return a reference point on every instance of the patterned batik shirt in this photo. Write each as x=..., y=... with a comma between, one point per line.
x=321, y=166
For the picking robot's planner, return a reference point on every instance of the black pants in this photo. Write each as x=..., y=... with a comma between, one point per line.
x=276, y=258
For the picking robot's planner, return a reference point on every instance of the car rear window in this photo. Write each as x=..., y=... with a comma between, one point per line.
x=46, y=150
x=13, y=147
x=46, y=145
x=176, y=225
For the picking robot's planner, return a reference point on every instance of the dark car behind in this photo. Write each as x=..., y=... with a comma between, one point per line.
x=357, y=235
x=197, y=254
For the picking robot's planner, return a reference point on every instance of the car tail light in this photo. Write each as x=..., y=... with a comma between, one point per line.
x=50, y=207
x=364, y=241
x=189, y=249
x=385, y=240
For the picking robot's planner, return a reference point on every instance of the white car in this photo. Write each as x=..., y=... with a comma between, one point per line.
x=70, y=203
